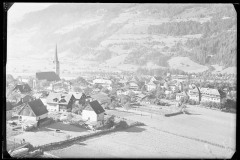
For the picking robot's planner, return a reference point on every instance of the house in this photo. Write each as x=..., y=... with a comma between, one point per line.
x=172, y=87
x=9, y=108
x=210, y=95
x=33, y=111
x=181, y=95
x=60, y=102
x=22, y=88
x=93, y=112
x=148, y=99
x=195, y=94
x=80, y=97
x=139, y=97
x=167, y=92
x=24, y=99
x=150, y=86
x=120, y=91
x=103, y=82
x=133, y=85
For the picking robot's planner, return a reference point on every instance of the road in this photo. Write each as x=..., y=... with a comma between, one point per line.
x=202, y=134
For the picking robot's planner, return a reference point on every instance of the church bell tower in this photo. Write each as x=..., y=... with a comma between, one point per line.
x=57, y=67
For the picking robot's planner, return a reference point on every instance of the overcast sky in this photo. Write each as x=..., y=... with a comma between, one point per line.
x=18, y=10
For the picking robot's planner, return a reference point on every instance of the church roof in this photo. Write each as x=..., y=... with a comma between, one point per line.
x=49, y=76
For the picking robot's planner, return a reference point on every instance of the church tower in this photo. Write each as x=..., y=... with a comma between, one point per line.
x=57, y=67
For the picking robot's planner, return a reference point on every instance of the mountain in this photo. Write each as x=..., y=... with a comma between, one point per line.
x=127, y=36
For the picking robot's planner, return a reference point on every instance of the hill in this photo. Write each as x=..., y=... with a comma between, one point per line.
x=128, y=35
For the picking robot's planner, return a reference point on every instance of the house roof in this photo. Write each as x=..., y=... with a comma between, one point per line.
x=49, y=76
x=77, y=95
x=96, y=107
x=9, y=106
x=105, y=81
x=158, y=78
x=37, y=107
x=102, y=97
x=210, y=91
x=23, y=88
x=59, y=98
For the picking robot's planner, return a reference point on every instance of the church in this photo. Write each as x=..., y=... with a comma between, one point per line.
x=49, y=76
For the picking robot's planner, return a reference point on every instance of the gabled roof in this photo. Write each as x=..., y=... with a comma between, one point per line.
x=23, y=88
x=49, y=76
x=77, y=95
x=96, y=107
x=210, y=91
x=59, y=98
x=9, y=106
x=102, y=97
x=37, y=107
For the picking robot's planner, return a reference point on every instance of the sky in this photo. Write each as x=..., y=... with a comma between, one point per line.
x=18, y=10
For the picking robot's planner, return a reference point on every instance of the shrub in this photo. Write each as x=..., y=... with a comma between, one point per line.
x=110, y=122
x=121, y=125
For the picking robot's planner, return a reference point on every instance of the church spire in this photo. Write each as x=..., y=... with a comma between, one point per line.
x=56, y=56
x=57, y=68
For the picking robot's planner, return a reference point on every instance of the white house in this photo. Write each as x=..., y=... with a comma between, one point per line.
x=194, y=94
x=210, y=95
x=104, y=82
x=133, y=86
x=33, y=111
x=151, y=86
x=9, y=108
x=93, y=112
x=180, y=95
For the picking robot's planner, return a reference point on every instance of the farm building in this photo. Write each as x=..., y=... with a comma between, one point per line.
x=93, y=112
x=33, y=111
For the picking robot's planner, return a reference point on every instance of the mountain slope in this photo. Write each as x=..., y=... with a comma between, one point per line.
x=138, y=34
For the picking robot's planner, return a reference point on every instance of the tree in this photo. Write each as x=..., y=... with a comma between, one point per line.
x=87, y=90
x=77, y=89
x=127, y=106
x=110, y=121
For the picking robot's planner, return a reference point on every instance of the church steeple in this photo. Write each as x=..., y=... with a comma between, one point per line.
x=57, y=68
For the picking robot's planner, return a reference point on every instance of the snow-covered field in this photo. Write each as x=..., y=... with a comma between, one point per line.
x=152, y=140
x=46, y=135
x=229, y=70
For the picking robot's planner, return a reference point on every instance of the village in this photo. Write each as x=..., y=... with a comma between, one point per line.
x=46, y=111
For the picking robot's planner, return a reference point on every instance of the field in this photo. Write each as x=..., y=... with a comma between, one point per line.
x=48, y=134
x=202, y=134
x=185, y=64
